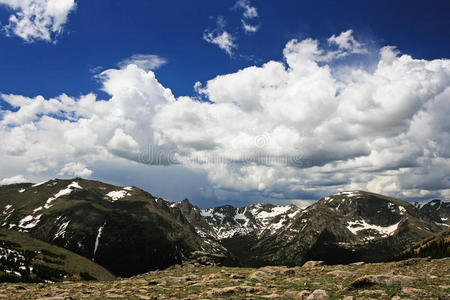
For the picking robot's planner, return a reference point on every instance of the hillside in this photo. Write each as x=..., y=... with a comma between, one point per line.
x=124, y=229
x=435, y=246
x=25, y=259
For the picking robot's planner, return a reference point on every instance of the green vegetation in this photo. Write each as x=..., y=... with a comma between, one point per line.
x=25, y=259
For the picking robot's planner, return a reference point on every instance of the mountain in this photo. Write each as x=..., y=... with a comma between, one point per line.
x=129, y=231
x=341, y=228
x=437, y=210
x=25, y=259
x=124, y=229
x=434, y=246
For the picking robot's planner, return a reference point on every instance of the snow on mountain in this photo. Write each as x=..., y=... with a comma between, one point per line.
x=227, y=221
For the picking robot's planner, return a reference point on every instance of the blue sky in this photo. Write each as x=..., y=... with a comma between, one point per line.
x=96, y=36
x=101, y=33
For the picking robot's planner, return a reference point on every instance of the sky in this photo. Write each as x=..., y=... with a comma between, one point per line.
x=228, y=102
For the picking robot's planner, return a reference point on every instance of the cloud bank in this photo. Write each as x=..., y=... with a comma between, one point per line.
x=34, y=20
x=302, y=126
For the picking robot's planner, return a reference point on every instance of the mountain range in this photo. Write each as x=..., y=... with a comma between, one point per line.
x=129, y=231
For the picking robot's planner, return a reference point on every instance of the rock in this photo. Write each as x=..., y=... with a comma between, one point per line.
x=382, y=279
x=412, y=261
x=413, y=291
x=290, y=294
x=302, y=295
x=143, y=297
x=231, y=290
x=313, y=263
x=236, y=276
x=271, y=296
x=283, y=271
x=318, y=295
x=348, y=298
x=339, y=273
x=268, y=273
x=358, y=263
x=373, y=293
x=261, y=276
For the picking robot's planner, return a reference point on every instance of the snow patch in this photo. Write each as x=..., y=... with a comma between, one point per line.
x=22, y=190
x=38, y=209
x=97, y=239
x=74, y=185
x=29, y=222
x=61, y=232
x=128, y=188
x=116, y=195
x=40, y=183
x=358, y=225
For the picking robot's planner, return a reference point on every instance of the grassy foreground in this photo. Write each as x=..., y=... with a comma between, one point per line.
x=416, y=278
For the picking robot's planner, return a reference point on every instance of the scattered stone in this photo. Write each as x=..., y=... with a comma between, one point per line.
x=413, y=291
x=231, y=290
x=372, y=292
x=290, y=294
x=412, y=261
x=382, y=279
x=236, y=276
x=348, y=298
x=339, y=273
x=302, y=295
x=261, y=276
x=271, y=296
x=318, y=295
x=313, y=263
x=359, y=263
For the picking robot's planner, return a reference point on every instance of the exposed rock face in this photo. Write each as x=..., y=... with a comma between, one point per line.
x=342, y=228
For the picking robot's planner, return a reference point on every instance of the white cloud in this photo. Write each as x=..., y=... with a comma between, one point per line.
x=223, y=39
x=13, y=179
x=75, y=169
x=346, y=43
x=146, y=62
x=248, y=28
x=291, y=129
x=250, y=11
x=38, y=19
x=249, y=14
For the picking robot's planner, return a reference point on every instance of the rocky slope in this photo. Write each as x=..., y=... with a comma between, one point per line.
x=25, y=259
x=410, y=279
x=435, y=246
x=124, y=229
x=341, y=228
x=437, y=210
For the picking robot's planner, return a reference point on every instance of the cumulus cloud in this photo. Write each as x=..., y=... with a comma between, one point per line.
x=146, y=62
x=75, y=169
x=291, y=129
x=249, y=16
x=250, y=11
x=37, y=19
x=345, y=41
x=248, y=28
x=220, y=37
x=224, y=40
x=13, y=179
